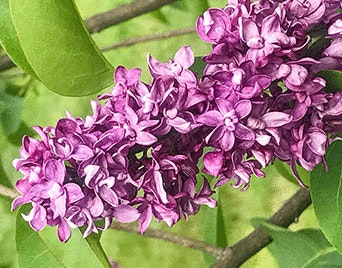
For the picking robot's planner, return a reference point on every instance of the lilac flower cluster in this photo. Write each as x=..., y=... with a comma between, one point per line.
x=265, y=98
x=136, y=157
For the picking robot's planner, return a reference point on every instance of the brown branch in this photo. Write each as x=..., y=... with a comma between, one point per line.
x=5, y=191
x=107, y=19
x=122, y=13
x=172, y=238
x=237, y=254
x=142, y=39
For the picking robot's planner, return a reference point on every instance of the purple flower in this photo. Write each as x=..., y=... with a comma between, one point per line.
x=214, y=26
x=269, y=39
x=137, y=155
x=177, y=68
x=227, y=123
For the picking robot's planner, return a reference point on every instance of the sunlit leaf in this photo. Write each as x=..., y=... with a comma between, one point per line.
x=326, y=194
x=304, y=248
x=9, y=39
x=43, y=249
x=32, y=251
x=74, y=253
x=285, y=171
x=58, y=47
x=199, y=6
x=179, y=5
x=7, y=231
x=94, y=242
x=159, y=14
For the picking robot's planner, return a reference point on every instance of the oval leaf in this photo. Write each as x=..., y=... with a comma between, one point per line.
x=59, y=48
x=304, y=248
x=43, y=249
x=32, y=252
x=326, y=194
x=9, y=39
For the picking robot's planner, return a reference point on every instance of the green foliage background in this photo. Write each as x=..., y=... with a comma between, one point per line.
x=41, y=106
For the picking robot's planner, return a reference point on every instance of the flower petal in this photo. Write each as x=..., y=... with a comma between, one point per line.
x=54, y=171
x=213, y=162
x=126, y=213
x=276, y=119
x=185, y=57
x=63, y=231
x=211, y=118
x=74, y=192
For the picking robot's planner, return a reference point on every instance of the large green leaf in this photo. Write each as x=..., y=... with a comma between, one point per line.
x=43, y=249
x=59, y=48
x=9, y=39
x=326, y=194
x=32, y=251
x=304, y=248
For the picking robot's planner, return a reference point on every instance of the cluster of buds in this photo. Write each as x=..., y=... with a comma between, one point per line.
x=137, y=156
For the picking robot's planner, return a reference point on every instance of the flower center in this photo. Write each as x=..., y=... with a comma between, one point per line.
x=230, y=119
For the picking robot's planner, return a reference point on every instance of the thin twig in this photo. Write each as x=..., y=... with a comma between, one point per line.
x=172, y=238
x=122, y=13
x=236, y=255
x=5, y=191
x=107, y=19
x=142, y=39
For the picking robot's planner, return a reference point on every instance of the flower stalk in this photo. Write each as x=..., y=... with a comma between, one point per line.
x=8, y=192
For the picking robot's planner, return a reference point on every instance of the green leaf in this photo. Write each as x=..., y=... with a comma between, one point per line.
x=11, y=107
x=304, y=248
x=326, y=195
x=214, y=229
x=94, y=242
x=198, y=67
x=9, y=39
x=285, y=171
x=159, y=14
x=179, y=5
x=316, y=45
x=66, y=252
x=8, y=257
x=333, y=78
x=59, y=48
x=331, y=258
x=32, y=251
x=43, y=249
x=199, y=6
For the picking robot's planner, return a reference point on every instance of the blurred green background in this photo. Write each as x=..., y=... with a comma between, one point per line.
x=40, y=106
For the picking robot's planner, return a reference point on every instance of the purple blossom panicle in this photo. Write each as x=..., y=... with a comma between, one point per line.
x=264, y=94
x=136, y=156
